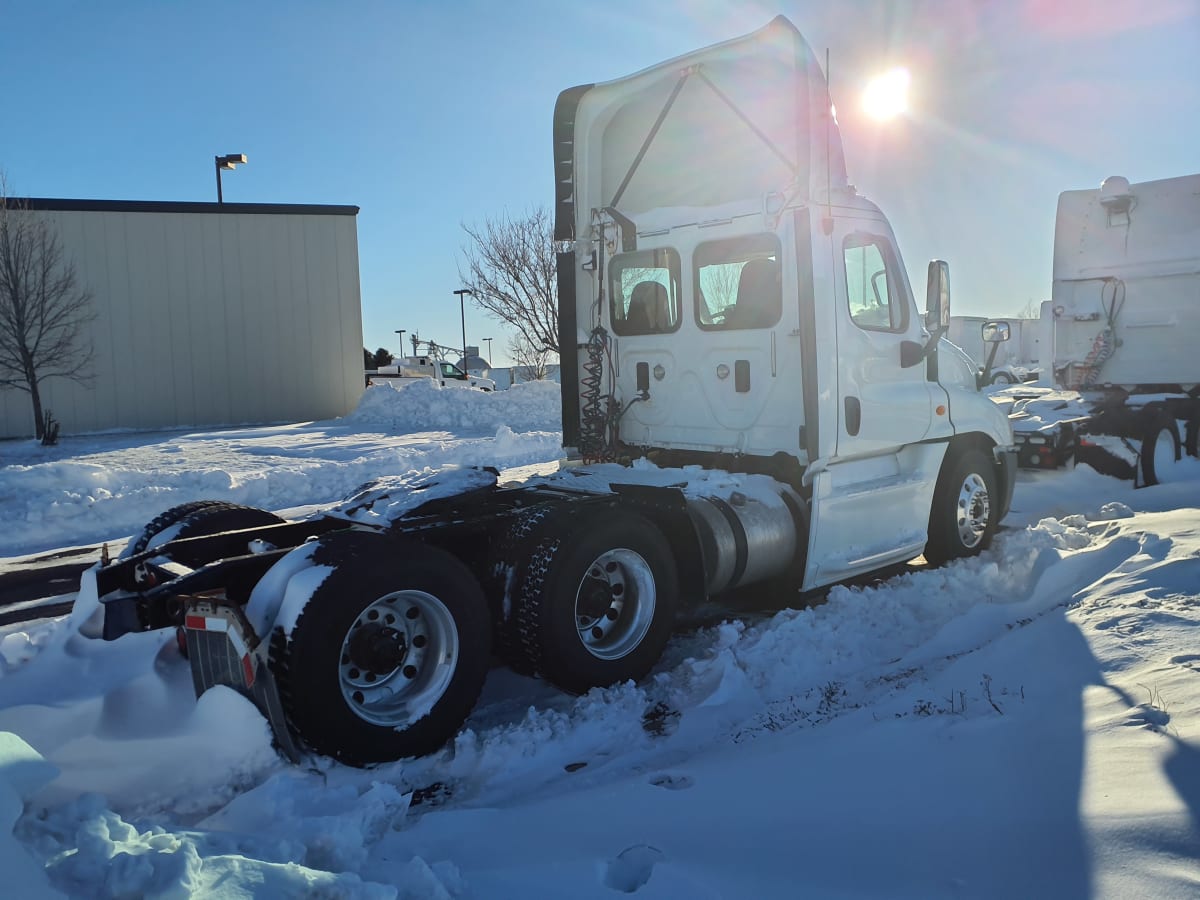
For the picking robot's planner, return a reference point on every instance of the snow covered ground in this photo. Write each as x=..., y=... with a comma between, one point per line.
x=1023, y=724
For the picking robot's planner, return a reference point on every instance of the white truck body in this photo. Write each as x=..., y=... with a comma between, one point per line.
x=745, y=370
x=687, y=176
x=1125, y=307
x=443, y=373
x=1121, y=329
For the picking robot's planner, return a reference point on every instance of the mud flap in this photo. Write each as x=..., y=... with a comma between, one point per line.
x=1006, y=466
x=219, y=647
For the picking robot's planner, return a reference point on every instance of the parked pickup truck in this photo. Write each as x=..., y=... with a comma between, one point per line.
x=444, y=373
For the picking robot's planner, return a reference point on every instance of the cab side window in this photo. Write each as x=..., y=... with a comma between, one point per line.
x=739, y=283
x=873, y=288
x=644, y=287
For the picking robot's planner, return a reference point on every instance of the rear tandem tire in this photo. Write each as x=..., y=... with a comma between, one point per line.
x=1160, y=448
x=962, y=518
x=390, y=653
x=199, y=518
x=596, y=598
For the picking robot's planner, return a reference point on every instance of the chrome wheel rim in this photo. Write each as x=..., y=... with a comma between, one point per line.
x=614, y=604
x=974, y=510
x=398, y=658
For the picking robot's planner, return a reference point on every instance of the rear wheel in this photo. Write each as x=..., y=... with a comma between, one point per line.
x=196, y=519
x=1002, y=378
x=596, y=601
x=962, y=519
x=1160, y=449
x=1192, y=440
x=389, y=654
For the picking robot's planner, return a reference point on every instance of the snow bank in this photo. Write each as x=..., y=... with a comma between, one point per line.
x=107, y=487
x=22, y=772
x=424, y=405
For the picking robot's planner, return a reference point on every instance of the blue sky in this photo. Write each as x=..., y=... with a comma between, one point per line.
x=431, y=114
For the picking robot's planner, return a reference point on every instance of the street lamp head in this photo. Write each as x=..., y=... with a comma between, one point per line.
x=229, y=160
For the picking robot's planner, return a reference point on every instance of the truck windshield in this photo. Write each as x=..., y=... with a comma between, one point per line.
x=645, y=291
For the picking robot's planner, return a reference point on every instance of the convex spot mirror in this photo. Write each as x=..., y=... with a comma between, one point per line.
x=937, y=295
x=995, y=332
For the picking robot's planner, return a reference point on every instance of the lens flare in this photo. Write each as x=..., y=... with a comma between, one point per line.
x=886, y=95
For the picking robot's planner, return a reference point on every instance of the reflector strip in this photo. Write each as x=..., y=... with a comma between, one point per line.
x=217, y=623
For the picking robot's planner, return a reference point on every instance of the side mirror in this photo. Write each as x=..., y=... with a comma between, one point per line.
x=937, y=296
x=995, y=332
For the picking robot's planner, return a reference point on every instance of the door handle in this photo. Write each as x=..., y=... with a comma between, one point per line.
x=853, y=415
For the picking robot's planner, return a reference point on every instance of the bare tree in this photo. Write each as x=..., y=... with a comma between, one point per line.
x=533, y=362
x=510, y=271
x=43, y=308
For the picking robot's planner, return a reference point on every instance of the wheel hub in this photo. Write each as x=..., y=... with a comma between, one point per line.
x=377, y=648
x=398, y=657
x=614, y=605
x=974, y=510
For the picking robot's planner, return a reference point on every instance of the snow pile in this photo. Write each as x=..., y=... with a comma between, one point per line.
x=22, y=773
x=1020, y=724
x=423, y=405
x=109, y=486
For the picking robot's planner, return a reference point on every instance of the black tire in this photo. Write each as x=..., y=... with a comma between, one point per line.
x=504, y=566
x=201, y=517
x=1160, y=425
x=1002, y=378
x=963, y=517
x=326, y=692
x=599, y=561
x=1191, y=443
x=165, y=520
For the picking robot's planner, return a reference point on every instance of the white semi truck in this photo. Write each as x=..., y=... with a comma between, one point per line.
x=756, y=399
x=1121, y=327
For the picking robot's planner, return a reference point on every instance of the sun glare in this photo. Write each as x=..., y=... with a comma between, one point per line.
x=886, y=95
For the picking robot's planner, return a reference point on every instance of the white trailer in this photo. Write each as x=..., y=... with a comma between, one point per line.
x=755, y=397
x=1122, y=324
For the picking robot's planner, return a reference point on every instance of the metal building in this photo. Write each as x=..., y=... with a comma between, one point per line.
x=206, y=314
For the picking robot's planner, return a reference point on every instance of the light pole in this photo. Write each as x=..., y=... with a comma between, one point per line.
x=489, y=343
x=228, y=161
x=400, y=331
x=462, y=311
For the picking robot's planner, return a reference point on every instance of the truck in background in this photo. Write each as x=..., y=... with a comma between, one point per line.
x=1121, y=374
x=444, y=373
x=757, y=402
x=1015, y=361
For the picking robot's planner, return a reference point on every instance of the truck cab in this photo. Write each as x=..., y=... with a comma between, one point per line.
x=730, y=300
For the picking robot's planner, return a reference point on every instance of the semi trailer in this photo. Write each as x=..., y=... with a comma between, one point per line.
x=1121, y=376
x=752, y=398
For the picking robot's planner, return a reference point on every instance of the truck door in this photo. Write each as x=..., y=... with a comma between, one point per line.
x=882, y=405
x=871, y=498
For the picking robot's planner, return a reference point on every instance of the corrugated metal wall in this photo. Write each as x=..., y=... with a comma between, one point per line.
x=207, y=315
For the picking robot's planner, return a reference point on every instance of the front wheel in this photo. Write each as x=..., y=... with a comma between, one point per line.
x=1002, y=378
x=389, y=654
x=596, y=602
x=963, y=517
